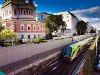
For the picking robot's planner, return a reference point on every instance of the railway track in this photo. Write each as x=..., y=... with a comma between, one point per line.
x=59, y=67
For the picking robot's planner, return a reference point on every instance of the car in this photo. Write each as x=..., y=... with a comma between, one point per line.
x=48, y=36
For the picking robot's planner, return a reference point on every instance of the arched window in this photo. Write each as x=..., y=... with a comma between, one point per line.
x=15, y=12
x=24, y=12
x=19, y=12
x=29, y=12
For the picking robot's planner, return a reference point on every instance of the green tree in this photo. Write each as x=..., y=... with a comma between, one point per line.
x=1, y=27
x=81, y=27
x=7, y=35
x=53, y=23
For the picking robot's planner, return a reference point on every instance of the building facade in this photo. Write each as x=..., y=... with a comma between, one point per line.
x=71, y=22
x=41, y=16
x=19, y=16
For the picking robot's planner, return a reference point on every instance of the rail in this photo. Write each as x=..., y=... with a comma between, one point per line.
x=82, y=61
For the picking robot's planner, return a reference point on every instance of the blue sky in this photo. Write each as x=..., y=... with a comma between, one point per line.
x=65, y=5
x=87, y=10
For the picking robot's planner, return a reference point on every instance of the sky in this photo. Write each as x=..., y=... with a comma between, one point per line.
x=87, y=10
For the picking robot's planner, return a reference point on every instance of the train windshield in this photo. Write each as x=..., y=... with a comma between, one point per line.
x=68, y=51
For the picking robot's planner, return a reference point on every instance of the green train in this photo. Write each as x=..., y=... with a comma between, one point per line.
x=73, y=50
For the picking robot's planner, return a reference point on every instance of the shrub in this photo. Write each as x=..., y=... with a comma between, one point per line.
x=7, y=44
x=19, y=41
x=90, y=57
x=59, y=39
x=39, y=39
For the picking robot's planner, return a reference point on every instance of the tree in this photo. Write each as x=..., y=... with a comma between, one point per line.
x=1, y=27
x=81, y=27
x=7, y=35
x=53, y=23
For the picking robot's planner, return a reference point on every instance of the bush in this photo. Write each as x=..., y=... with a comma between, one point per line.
x=1, y=43
x=39, y=39
x=19, y=41
x=7, y=44
x=90, y=57
x=59, y=39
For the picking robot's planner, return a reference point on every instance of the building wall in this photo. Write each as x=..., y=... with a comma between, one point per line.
x=41, y=16
x=7, y=12
x=35, y=29
x=32, y=35
x=70, y=21
x=21, y=19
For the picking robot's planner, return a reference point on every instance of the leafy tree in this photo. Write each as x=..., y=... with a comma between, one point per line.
x=53, y=23
x=7, y=34
x=1, y=27
x=81, y=27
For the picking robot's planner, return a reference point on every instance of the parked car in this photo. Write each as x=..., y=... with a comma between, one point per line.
x=48, y=36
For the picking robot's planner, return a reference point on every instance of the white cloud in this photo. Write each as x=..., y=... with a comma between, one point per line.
x=91, y=15
x=35, y=4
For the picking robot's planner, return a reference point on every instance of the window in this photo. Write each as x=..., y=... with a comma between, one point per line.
x=22, y=27
x=19, y=12
x=24, y=12
x=22, y=36
x=28, y=36
x=28, y=27
x=15, y=12
x=38, y=35
x=38, y=28
x=34, y=36
x=29, y=12
x=34, y=27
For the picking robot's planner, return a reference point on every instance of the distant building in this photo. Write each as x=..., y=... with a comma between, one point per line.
x=71, y=21
x=41, y=16
x=89, y=27
x=19, y=16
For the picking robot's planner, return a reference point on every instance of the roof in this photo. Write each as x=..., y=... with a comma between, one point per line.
x=72, y=14
x=18, y=3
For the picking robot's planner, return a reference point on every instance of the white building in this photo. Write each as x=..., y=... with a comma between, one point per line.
x=71, y=21
x=41, y=16
x=89, y=27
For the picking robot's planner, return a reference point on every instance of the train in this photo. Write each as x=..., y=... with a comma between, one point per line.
x=73, y=50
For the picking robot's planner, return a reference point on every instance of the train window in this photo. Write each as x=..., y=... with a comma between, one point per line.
x=69, y=50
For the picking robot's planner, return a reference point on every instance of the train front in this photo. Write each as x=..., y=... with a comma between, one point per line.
x=67, y=53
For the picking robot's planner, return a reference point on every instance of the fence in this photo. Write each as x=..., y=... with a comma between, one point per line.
x=19, y=52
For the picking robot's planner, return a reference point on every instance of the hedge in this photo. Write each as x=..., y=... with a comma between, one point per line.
x=89, y=61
